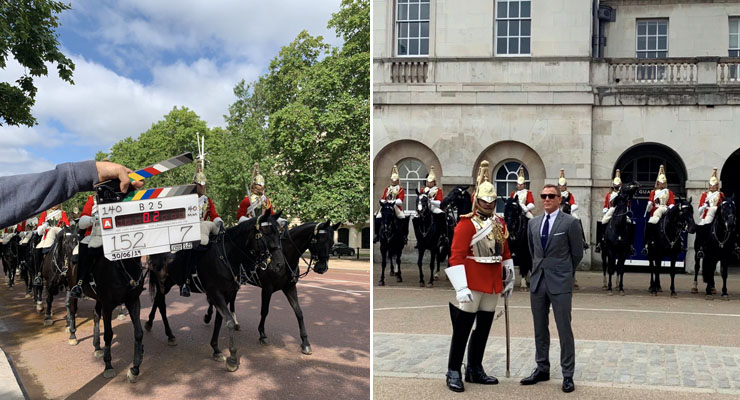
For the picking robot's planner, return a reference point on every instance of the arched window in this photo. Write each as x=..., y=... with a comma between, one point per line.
x=412, y=175
x=506, y=176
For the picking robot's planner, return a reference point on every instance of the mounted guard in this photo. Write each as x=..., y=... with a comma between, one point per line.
x=707, y=209
x=523, y=195
x=392, y=194
x=256, y=202
x=434, y=193
x=481, y=268
x=661, y=199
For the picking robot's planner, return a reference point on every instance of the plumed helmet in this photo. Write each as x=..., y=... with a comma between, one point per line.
x=257, y=178
x=617, y=178
x=661, y=175
x=484, y=188
x=562, y=181
x=520, y=180
x=431, y=177
x=394, y=173
x=713, y=179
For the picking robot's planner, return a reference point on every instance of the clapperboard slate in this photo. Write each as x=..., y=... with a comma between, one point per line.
x=148, y=221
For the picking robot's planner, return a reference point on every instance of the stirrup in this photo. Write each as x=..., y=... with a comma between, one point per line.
x=184, y=290
x=597, y=249
x=644, y=251
x=76, y=291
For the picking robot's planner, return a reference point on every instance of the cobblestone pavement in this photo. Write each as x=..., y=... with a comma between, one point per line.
x=601, y=362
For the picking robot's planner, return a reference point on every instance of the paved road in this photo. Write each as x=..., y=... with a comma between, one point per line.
x=336, y=310
x=685, y=347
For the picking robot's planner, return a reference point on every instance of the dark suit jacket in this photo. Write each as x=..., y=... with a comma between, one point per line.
x=557, y=262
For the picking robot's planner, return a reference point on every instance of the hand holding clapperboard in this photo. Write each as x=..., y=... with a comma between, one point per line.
x=148, y=221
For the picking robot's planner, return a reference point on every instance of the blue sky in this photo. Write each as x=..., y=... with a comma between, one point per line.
x=137, y=59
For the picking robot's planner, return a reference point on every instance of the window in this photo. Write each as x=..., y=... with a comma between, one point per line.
x=412, y=174
x=513, y=27
x=652, y=42
x=412, y=27
x=506, y=176
x=734, y=45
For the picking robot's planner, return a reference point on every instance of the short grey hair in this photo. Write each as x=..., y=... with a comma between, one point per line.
x=550, y=185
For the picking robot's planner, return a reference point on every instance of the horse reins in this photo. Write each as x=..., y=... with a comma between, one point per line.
x=311, y=244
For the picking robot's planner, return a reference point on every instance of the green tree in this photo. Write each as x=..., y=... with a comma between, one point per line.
x=308, y=121
x=27, y=33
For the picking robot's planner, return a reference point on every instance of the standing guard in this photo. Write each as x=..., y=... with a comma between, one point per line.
x=481, y=267
x=523, y=195
x=256, y=203
x=661, y=199
x=392, y=194
x=707, y=209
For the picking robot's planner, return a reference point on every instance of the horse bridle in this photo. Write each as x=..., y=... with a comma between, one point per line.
x=311, y=249
x=714, y=229
x=261, y=260
x=680, y=225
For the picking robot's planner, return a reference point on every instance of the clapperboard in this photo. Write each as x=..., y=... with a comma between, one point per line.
x=148, y=221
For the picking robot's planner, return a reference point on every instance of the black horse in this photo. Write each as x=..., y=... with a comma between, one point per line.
x=253, y=243
x=667, y=241
x=428, y=228
x=720, y=246
x=10, y=257
x=392, y=235
x=55, y=266
x=618, y=237
x=455, y=204
x=28, y=261
x=517, y=226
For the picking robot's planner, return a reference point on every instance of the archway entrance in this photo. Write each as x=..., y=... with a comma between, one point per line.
x=641, y=163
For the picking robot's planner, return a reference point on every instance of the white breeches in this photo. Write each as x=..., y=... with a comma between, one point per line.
x=608, y=215
x=481, y=302
x=207, y=228
x=51, y=235
x=657, y=214
x=711, y=211
x=529, y=215
x=399, y=213
x=436, y=210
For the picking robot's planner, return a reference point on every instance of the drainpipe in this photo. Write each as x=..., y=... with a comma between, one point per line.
x=604, y=14
x=595, y=27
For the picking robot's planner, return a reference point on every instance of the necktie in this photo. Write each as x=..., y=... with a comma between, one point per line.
x=545, y=231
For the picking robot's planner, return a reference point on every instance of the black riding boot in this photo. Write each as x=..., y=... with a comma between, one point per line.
x=648, y=237
x=474, y=372
x=82, y=271
x=185, y=288
x=462, y=323
x=702, y=232
x=583, y=235
x=599, y=236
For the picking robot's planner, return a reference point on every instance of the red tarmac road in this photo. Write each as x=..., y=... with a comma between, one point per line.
x=336, y=309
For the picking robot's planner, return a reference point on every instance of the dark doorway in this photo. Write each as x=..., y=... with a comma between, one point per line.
x=366, y=238
x=343, y=235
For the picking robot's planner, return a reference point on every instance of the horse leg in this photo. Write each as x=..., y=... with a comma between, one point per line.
x=209, y=312
x=108, y=337
x=673, y=276
x=217, y=355
x=266, y=296
x=398, y=266
x=431, y=269
x=620, y=274
x=697, y=264
x=610, y=270
x=171, y=341
x=72, y=318
x=383, y=255
x=232, y=362
x=96, y=329
x=49, y=299
x=150, y=320
x=724, y=269
x=418, y=263
x=134, y=310
x=292, y=295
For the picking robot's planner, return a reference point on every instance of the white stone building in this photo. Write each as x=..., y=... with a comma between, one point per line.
x=586, y=85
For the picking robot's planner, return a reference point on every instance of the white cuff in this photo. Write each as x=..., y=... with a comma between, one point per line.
x=86, y=221
x=456, y=275
x=702, y=208
x=242, y=219
x=573, y=207
x=604, y=210
x=218, y=219
x=530, y=207
x=399, y=202
x=436, y=202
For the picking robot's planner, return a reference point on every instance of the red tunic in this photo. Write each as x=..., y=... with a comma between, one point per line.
x=87, y=211
x=486, y=278
x=530, y=198
x=244, y=206
x=671, y=200
x=211, y=213
x=20, y=227
x=401, y=196
x=63, y=220
x=439, y=196
x=703, y=199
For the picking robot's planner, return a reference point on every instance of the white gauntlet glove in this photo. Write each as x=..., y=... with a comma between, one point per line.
x=457, y=277
x=508, y=266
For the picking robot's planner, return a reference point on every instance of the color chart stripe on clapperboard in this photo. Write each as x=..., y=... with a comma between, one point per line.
x=160, y=193
x=160, y=167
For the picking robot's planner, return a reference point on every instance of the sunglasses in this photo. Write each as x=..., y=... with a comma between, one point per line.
x=550, y=196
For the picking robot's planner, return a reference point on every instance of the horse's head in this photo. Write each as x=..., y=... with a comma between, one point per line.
x=386, y=211
x=728, y=212
x=564, y=205
x=265, y=240
x=321, y=243
x=684, y=215
x=422, y=204
x=69, y=240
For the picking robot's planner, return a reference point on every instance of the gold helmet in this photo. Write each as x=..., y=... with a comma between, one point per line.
x=431, y=177
x=617, y=179
x=520, y=180
x=257, y=179
x=394, y=173
x=661, y=175
x=484, y=188
x=562, y=181
x=713, y=179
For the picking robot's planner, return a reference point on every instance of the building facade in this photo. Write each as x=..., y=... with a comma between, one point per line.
x=586, y=85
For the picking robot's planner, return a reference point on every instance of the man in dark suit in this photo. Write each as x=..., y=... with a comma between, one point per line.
x=556, y=245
